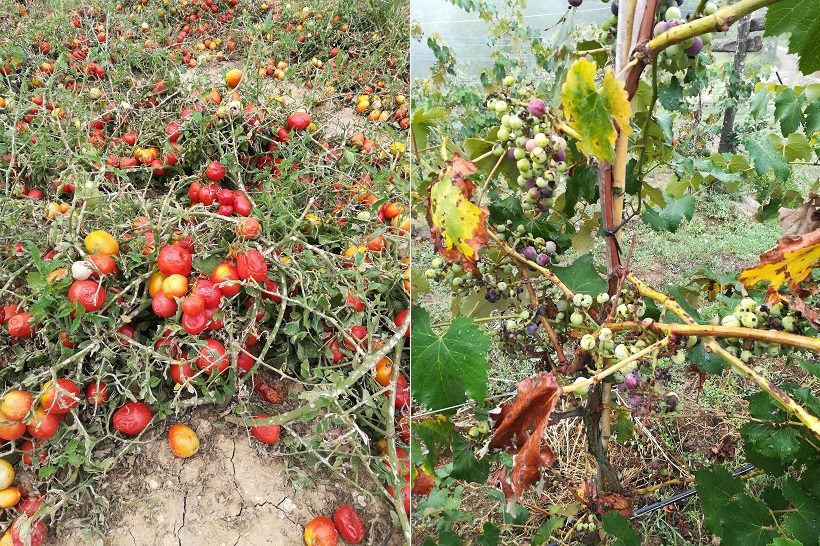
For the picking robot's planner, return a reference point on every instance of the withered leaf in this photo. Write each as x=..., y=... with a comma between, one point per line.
x=803, y=219
x=790, y=262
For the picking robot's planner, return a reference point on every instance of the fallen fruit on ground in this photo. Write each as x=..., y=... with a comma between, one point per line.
x=320, y=531
x=183, y=441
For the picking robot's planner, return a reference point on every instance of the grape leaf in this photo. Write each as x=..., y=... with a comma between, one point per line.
x=458, y=226
x=804, y=522
x=522, y=426
x=670, y=217
x=591, y=111
x=705, y=360
x=434, y=432
x=800, y=19
x=780, y=541
x=795, y=146
x=581, y=276
x=618, y=526
x=544, y=532
x=730, y=513
x=465, y=465
x=759, y=102
x=447, y=370
x=489, y=535
x=670, y=94
x=767, y=160
x=790, y=262
x=812, y=123
x=773, y=443
x=788, y=110
x=583, y=185
x=420, y=123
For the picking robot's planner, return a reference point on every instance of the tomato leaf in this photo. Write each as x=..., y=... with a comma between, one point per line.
x=446, y=370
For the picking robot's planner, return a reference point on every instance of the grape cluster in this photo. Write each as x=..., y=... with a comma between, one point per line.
x=527, y=136
x=749, y=314
x=677, y=57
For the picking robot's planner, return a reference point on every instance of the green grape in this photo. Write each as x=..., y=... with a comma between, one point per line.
x=576, y=318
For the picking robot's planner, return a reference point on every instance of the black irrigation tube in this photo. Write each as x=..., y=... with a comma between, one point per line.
x=675, y=498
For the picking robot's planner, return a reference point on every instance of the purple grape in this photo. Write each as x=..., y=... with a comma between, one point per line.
x=671, y=401
x=529, y=183
x=537, y=107
x=560, y=156
x=542, y=260
x=534, y=193
x=680, y=2
x=631, y=381
x=551, y=247
x=696, y=47
x=545, y=192
x=575, y=3
x=636, y=400
x=511, y=154
x=532, y=328
x=529, y=253
x=614, y=8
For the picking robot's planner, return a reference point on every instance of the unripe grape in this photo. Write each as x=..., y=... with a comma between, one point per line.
x=550, y=247
x=508, y=81
x=587, y=342
x=576, y=318
x=516, y=123
x=541, y=140
x=502, y=286
x=501, y=106
x=731, y=321
x=519, y=153
x=749, y=320
x=709, y=8
x=587, y=302
x=621, y=352
x=577, y=300
x=430, y=273
x=679, y=357
x=605, y=334
x=745, y=355
x=511, y=325
x=672, y=13
x=503, y=134
x=584, y=390
x=788, y=323
x=561, y=305
x=602, y=298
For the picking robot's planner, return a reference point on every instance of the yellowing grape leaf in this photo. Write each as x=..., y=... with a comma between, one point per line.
x=790, y=262
x=458, y=226
x=596, y=113
x=521, y=426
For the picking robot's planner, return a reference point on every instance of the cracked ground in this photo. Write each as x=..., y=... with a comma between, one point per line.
x=234, y=492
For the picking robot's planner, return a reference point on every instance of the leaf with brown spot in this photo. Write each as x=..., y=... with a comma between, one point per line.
x=522, y=427
x=458, y=226
x=803, y=219
x=790, y=262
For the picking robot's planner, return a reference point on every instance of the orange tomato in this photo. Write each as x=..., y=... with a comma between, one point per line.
x=15, y=405
x=384, y=371
x=183, y=441
x=233, y=77
x=9, y=497
x=155, y=283
x=101, y=242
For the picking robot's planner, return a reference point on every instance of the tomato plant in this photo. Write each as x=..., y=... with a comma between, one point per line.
x=178, y=195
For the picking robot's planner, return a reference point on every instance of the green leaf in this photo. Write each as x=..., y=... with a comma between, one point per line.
x=780, y=541
x=581, y=276
x=737, y=518
x=447, y=370
x=594, y=112
x=623, y=427
x=670, y=94
x=619, y=527
x=812, y=121
x=766, y=160
x=706, y=361
x=583, y=185
x=759, y=102
x=774, y=443
x=600, y=57
x=670, y=217
x=795, y=147
x=788, y=110
x=544, y=532
x=801, y=20
x=435, y=433
x=421, y=122
x=465, y=464
x=489, y=535
x=804, y=522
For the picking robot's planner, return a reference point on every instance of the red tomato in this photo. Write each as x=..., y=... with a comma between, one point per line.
x=225, y=196
x=11, y=430
x=27, y=449
x=43, y=425
x=195, y=324
x=30, y=505
x=272, y=291
x=226, y=276
x=358, y=336
x=207, y=194
x=212, y=357
x=248, y=228
x=15, y=405
x=181, y=373
x=174, y=259
x=89, y=294
x=96, y=393
x=400, y=318
x=405, y=495
x=210, y=293
x=241, y=204
x=132, y=418
x=298, y=121
x=130, y=138
x=355, y=302
x=193, y=304
x=267, y=434
x=245, y=360
x=320, y=531
x=163, y=306
x=349, y=524
x=20, y=325
x=215, y=171
x=27, y=533
x=251, y=265
x=126, y=331
x=193, y=192
x=61, y=398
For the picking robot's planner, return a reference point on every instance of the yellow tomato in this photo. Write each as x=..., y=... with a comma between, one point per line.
x=101, y=242
x=175, y=286
x=155, y=283
x=6, y=474
x=9, y=497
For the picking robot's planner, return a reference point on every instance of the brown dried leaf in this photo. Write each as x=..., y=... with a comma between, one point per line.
x=458, y=226
x=803, y=219
x=522, y=426
x=812, y=315
x=790, y=262
x=725, y=448
x=615, y=501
